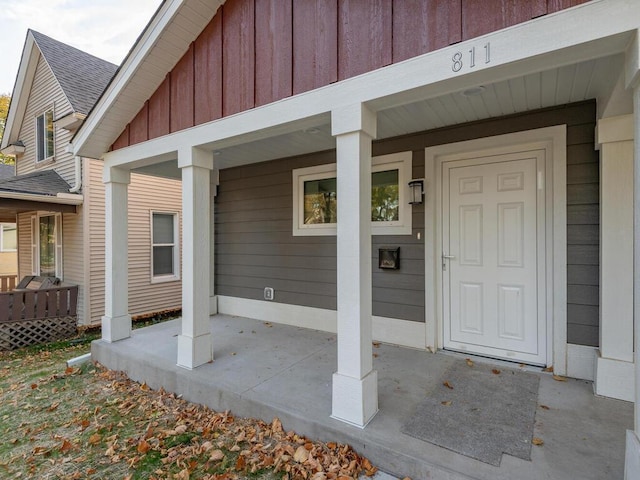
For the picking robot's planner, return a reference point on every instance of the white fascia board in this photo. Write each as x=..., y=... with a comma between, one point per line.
x=143, y=46
x=141, y=51
x=589, y=31
x=21, y=89
x=632, y=67
x=61, y=198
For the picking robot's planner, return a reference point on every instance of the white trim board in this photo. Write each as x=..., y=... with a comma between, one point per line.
x=553, y=141
x=388, y=330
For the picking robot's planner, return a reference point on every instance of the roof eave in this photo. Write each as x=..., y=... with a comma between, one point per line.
x=20, y=94
x=88, y=142
x=60, y=198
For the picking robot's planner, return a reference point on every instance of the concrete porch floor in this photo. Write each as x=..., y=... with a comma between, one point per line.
x=262, y=370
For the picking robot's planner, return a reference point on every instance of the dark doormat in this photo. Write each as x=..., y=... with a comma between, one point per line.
x=489, y=411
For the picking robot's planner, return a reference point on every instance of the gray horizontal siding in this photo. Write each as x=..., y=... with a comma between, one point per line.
x=255, y=247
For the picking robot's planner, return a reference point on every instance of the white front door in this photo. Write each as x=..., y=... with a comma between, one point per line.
x=493, y=249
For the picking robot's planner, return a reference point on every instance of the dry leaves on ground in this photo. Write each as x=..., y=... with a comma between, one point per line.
x=112, y=427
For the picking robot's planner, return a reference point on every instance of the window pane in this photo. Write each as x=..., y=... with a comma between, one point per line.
x=163, y=228
x=47, y=246
x=40, y=136
x=49, y=133
x=385, y=197
x=320, y=201
x=9, y=239
x=162, y=261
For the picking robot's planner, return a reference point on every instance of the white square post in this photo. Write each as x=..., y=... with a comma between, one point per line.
x=195, y=347
x=116, y=322
x=355, y=384
x=632, y=453
x=614, y=366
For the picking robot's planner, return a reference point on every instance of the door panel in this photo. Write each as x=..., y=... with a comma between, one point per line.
x=493, y=239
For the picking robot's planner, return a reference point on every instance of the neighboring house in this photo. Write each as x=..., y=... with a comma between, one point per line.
x=57, y=199
x=8, y=234
x=302, y=124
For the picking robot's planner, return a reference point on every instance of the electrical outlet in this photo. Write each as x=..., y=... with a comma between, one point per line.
x=268, y=293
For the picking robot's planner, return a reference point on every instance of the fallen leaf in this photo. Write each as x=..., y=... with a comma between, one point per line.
x=447, y=403
x=95, y=439
x=268, y=324
x=66, y=446
x=376, y=344
x=537, y=441
x=180, y=429
x=216, y=455
x=143, y=447
x=144, y=387
x=448, y=385
x=548, y=369
x=469, y=362
x=558, y=378
x=69, y=370
x=53, y=406
x=34, y=386
x=240, y=463
x=495, y=371
x=301, y=455
x=544, y=407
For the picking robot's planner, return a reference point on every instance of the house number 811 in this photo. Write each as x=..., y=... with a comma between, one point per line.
x=457, y=64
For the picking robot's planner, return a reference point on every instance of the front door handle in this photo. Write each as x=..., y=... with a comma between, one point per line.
x=450, y=257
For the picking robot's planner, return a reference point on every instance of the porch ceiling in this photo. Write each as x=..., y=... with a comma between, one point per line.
x=591, y=79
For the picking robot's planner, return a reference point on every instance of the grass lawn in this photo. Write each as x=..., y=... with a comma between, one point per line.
x=89, y=422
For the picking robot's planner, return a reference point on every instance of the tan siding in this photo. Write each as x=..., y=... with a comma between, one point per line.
x=46, y=93
x=146, y=194
x=8, y=263
x=72, y=268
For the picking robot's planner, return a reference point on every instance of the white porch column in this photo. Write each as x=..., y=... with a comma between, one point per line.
x=213, y=299
x=614, y=366
x=355, y=384
x=194, y=344
x=116, y=323
x=632, y=452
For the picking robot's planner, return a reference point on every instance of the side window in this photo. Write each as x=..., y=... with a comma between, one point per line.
x=8, y=237
x=46, y=245
x=164, y=247
x=44, y=136
x=315, y=197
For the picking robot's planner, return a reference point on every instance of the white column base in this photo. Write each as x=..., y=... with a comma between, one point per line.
x=355, y=401
x=632, y=457
x=116, y=328
x=614, y=379
x=213, y=304
x=193, y=352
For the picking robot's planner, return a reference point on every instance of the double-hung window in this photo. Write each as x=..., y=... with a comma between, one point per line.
x=8, y=237
x=44, y=136
x=316, y=200
x=46, y=244
x=165, y=248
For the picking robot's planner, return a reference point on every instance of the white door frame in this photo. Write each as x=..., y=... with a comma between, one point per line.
x=553, y=141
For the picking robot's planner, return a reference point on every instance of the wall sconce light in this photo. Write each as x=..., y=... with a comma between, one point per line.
x=416, y=191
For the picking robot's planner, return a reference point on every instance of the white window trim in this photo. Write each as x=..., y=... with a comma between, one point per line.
x=2, y=228
x=49, y=159
x=402, y=161
x=176, y=248
x=35, y=242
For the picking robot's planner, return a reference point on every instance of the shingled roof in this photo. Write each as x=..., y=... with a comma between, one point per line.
x=7, y=171
x=45, y=182
x=81, y=76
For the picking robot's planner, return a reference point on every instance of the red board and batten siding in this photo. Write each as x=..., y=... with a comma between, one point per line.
x=255, y=52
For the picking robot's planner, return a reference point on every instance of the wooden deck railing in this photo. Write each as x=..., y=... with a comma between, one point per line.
x=55, y=302
x=29, y=317
x=8, y=282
